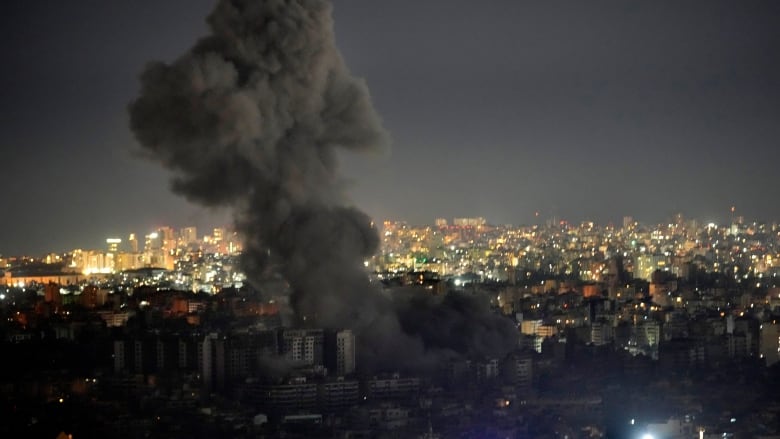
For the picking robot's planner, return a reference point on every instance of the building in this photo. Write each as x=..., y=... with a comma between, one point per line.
x=769, y=343
x=517, y=369
x=391, y=387
x=339, y=394
x=188, y=235
x=304, y=346
x=20, y=279
x=340, y=352
x=601, y=333
x=112, y=245
x=133, y=242
x=157, y=353
x=469, y=222
x=128, y=261
x=672, y=428
x=230, y=359
x=277, y=398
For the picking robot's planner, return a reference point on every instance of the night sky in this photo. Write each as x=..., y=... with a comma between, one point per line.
x=579, y=110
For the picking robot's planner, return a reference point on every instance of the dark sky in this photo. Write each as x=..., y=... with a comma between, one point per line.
x=497, y=108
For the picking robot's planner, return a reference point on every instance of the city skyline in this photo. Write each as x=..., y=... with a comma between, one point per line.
x=499, y=110
x=125, y=239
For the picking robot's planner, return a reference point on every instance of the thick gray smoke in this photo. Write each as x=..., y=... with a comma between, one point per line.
x=251, y=118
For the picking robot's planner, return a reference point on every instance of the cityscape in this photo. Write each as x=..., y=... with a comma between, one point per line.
x=431, y=220
x=618, y=331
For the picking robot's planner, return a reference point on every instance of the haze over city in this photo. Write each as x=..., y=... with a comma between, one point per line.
x=330, y=219
x=497, y=109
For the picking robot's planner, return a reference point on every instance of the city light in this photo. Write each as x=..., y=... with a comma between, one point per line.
x=510, y=264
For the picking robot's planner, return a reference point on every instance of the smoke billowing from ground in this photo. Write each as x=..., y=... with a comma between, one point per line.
x=251, y=118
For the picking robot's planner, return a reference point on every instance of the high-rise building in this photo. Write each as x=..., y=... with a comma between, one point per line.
x=646, y=264
x=304, y=346
x=133, y=241
x=152, y=242
x=188, y=235
x=113, y=244
x=769, y=343
x=167, y=233
x=227, y=359
x=340, y=352
x=601, y=333
x=213, y=362
x=219, y=240
x=169, y=244
x=160, y=248
x=517, y=368
x=647, y=333
x=153, y=254
x=218, y=235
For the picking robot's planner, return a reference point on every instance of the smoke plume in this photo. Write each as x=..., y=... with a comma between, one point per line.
x=251, y=118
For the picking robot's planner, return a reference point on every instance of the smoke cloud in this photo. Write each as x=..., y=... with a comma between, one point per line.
x=251, y=118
